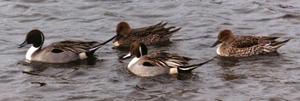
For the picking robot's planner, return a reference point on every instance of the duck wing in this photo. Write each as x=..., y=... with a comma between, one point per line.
x=154, y=29
x=71, y=46
x=163, y=59
x=245, y=41
x=249, y=41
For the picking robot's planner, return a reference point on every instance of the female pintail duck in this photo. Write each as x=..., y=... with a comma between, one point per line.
x=58, y=52
x=148, y=35
x=244, y=46
x=157, y=63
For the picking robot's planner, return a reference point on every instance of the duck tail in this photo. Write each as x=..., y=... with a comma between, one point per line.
x=101, y=44
x=277, y=44
x=170, y=33
x=175, y=30
x=189, y=68
x=273, y=46
x=163, y=24
x=160, y=23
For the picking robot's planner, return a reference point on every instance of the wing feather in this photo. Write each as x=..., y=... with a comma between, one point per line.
x=72, y=45
x=163, y=59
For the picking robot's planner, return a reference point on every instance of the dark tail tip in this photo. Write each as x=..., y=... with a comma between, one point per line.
x=188, y=69
x=280, y=43
x=159, y=23
x=164, y=24
x=175, y=30
x=101, y=44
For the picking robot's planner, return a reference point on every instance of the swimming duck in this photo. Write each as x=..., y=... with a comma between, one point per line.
x=148, y=35
x=244, y=46
x=157, y=63
x=58, y=52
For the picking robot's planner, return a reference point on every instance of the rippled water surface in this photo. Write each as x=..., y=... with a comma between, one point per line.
x=272, y=77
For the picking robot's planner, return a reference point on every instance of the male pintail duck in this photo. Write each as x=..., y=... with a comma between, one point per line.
x=243, y=46
x=157, y=63
x=58, y=52
x=148, y=35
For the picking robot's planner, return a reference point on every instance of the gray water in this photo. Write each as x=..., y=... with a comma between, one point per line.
x=272, y=77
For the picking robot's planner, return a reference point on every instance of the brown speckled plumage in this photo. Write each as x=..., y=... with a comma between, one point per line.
x=148, y=35
x=244, y=46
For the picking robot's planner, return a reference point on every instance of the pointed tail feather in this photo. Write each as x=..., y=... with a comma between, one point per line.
x=173, y=31
x=159, y=24
x=169, y=27
x=164, y=24
x=278, y=44
x=188, y=69
x=101, y=44
x=168, y=35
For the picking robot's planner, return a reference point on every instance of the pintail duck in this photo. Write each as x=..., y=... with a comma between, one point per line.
x=148, y=35
x=243, y=46
x=58, y=52
x=157, y=63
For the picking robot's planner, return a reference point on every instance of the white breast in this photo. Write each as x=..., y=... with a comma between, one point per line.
x=134, y=60
x=30, y=51
x=219, y=50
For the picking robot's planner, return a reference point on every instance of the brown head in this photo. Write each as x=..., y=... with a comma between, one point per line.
x=225, y=36
x=35, y=37
x=138, y=49
x=122, y=29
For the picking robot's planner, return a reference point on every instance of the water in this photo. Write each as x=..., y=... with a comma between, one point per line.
x=272, y=77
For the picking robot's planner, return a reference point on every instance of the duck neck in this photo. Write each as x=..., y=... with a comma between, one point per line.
x=30, y=51
x=134, y=60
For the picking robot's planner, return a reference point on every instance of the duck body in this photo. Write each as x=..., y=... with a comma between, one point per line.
x=58, y=52
x=62, y=52
x=148, y=35
x=157, y=63
x=244, y=46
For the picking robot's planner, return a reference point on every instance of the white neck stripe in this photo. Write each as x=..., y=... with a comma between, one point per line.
x=140, y=48
x=42, y=41
x=30, y=51
x=134, y=60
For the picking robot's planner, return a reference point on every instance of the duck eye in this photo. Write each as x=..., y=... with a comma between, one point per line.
x=56, y=51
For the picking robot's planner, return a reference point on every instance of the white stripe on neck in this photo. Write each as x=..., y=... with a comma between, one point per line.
x=140, y=49
x=30, y=51
x=134, y=60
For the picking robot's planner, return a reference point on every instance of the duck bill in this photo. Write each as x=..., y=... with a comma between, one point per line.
x=23, y=44
x=126, y=56
x=216, y=43
x=116, y=39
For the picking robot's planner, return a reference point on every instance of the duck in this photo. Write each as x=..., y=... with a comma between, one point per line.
x=58, y=52
x=157, y=63
x=245, y=46
x=150, y=35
